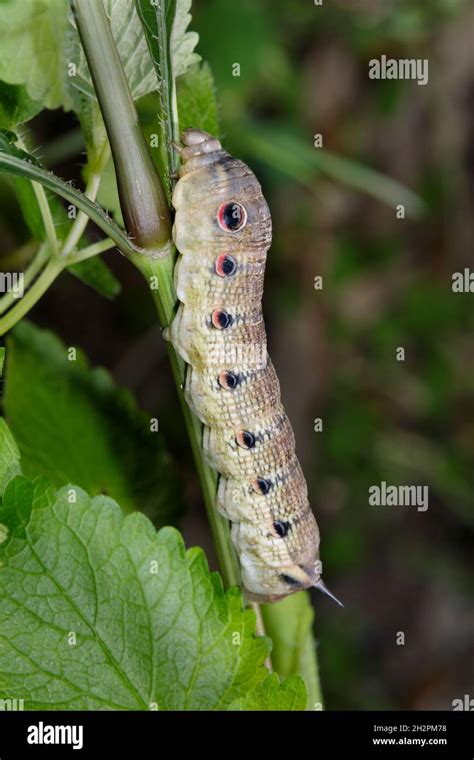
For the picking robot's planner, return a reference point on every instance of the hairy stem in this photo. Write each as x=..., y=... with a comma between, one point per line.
x=47, y=217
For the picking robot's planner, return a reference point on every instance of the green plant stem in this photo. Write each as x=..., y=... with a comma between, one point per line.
x=47, y=218
x=92, y=188
x=43, y=205
x=91, y=250
x=142, y=196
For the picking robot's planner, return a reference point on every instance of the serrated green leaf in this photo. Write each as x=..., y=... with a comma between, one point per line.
x=98, y=611
x=197, y=103
x=72, y=424
x=16, y=107
x=96, y=273
x=132, y=48
x=172, y=51
x=175, y=17
x=182, y=41
x=289, y=623
x=270, y=694
x=33, y=49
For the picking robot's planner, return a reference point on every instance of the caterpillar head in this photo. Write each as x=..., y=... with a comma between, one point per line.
x=218, y=201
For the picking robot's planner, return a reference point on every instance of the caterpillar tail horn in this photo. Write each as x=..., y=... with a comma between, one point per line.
x=321, y=586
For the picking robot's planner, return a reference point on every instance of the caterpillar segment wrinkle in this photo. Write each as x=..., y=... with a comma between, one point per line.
x=222, y=231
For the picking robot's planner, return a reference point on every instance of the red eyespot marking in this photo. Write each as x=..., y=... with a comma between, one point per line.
x=221, y=319
x=225, y=265
x=261, y=486
x=231, y=216
x=228, y=380
x=245, y=439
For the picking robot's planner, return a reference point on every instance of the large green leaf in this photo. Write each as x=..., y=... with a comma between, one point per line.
x=98, y=611
x=197, y=103
x=73, y=425
x=40, y=49
x=33, y=49
x=172, y=52
x=132, y=48
x=16, y=106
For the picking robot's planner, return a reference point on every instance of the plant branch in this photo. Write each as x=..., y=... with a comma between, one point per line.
x=91, y=250
x=92, y=188
x=142, y=196
x=47, y=218
x=19, y=167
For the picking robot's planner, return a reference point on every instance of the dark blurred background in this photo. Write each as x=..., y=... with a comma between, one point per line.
x=387, y=283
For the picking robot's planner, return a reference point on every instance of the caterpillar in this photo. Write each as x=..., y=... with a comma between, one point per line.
x=222, y=230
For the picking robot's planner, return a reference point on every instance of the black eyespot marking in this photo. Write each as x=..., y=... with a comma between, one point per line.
x=231, y=216
x=261, y=485
x=289, y=580
x=228, y=380
x=225, y=265
x=281, y=527
x=221, y=319
x=245, y=439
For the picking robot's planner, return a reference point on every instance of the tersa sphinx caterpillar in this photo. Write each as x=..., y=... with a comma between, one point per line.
x=222, y=230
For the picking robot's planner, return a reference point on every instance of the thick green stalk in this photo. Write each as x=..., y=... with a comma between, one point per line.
x=142, y=196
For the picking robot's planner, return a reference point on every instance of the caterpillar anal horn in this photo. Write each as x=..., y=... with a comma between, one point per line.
x=321, y=586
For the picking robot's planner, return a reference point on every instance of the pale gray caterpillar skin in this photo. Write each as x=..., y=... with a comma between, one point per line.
x=222, y=230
